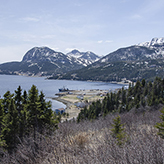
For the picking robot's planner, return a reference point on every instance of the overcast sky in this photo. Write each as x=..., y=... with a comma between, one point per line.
x=100, y=26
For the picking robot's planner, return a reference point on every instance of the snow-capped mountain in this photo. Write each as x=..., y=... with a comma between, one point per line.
x=75, y=53
x=43, y=60
x=131, y=63
x=85, y=57
x=157, y=45
x=41, y=54
x=153, y=42
x=143, y=51
x=61, y=62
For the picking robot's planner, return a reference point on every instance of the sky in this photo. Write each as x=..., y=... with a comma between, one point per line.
x=100, y=26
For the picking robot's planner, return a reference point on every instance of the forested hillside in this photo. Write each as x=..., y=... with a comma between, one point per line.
x=137, y=97
x=116, y=71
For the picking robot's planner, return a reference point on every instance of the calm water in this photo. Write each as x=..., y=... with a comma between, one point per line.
x=49, y=87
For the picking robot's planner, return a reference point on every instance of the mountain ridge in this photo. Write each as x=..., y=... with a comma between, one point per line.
x=152, y=42
x=45, y=61
x=131, y=63
x=144, y=60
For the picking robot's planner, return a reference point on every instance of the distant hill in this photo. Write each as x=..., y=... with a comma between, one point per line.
x=45, y=61
x=145, y=60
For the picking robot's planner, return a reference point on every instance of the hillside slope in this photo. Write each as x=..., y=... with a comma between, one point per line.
x=129, y=63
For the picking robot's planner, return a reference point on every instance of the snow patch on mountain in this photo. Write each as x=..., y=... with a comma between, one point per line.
x=85, y=58
x=153, y=42
x=75, y=54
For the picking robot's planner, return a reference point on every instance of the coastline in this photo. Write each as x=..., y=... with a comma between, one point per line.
x=67, y=103
x=77, y=99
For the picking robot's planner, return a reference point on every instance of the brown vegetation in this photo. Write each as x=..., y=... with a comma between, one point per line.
x=92, y=142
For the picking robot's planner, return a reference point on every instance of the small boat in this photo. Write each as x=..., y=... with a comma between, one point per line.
x=63, y=89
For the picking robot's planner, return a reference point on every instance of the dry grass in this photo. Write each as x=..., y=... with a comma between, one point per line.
x=70, y=98
x=91, y=142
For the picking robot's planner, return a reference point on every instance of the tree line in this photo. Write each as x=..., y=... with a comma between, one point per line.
x=137, y=96
x=22, y=114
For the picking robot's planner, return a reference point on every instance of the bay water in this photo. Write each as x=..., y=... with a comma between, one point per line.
x=50, y=87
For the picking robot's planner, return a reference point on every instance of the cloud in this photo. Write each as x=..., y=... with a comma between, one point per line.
x=30, y=19
x=136, y=16
x=108, y=41
x=100, y=41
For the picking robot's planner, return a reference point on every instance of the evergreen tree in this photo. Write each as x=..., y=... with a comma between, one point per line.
x=137, y=88
x=1, y=124
x=143, y=83
x=18, y=99
x=160, y=126
x=123, y=97
x=10, y=129
x=6, y=100
x=24, y=113
x=45, y=113
x=118, y=131
x=97, y=108
x=33, y=110
x=19, y=107
x=24, y=98
x=112, y=100
x=1, y=116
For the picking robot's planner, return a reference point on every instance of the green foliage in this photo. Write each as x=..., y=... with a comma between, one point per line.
x=117, y=70
x=136, y=96
x=22, y=114
x=118, y=131
x=10, y=126
x=160, y=126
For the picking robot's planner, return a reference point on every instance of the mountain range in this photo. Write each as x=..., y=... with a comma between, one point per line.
x=143, y=60
x=45, y=61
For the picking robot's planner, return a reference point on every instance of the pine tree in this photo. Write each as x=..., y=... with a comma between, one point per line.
x=32, y=109
x=123, y=97
x=45, y=113
x=1, y=116
x=18, y=99
x=24, y=114
x=6, y=100
x=143, y=83
x=24, y=98
x=160, y=126
x=137, y=88
x=97, y=108
x=10, y=129
x=118, y=131
x=19, y=107
x=1, y=124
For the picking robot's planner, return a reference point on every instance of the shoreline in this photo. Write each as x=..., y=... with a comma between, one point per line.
x=77, y=99
x=65, y=102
